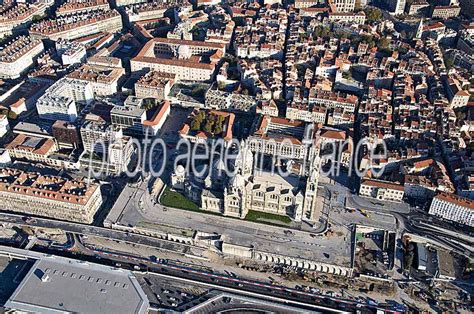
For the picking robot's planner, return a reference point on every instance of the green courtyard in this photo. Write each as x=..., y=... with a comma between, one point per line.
x=177, y=200
x=262, y=217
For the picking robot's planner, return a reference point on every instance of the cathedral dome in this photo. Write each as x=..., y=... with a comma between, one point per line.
x=180, y=170
x=184, y=52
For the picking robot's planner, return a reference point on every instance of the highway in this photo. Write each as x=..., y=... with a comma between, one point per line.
x=457, y=241
x=77, y=228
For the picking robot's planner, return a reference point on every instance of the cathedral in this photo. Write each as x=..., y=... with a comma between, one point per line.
x=248, y=188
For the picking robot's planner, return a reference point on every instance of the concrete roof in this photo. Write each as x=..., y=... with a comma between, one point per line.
x=57, y=284
x=275, y=179
x=31, y=128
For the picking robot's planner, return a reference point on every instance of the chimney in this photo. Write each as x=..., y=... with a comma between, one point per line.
x=45, y=278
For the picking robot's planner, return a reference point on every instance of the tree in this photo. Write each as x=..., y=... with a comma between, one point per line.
x=195, y=125
x=218, y=124
x=208, y=127
x=339, y=34
x=218, y=128
x=12, y=115
x=321, y=31
x=200, y=116
x=383, y=43
x=373, y=15
x=449, y=63
x=148, y=103
x=221, y=85
x=36, y=18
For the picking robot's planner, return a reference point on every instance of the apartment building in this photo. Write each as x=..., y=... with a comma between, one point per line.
x=77, y=25
x=263, y=38
x=175, y=47
x=382, y=190
x=16, y=17
x=333, y=100
x=341, y=17
x=104, y=81
x=4, y=125
x=417, y=7
x=179, y=57
x=71, y=52
x=397, y=7
x=130, y=116
x=453, y=207
x=155, y=85
x=267, y=108
x=457, y=96
x=153, y=124
x=66, y=134
x=75, y=7
x=49, y=196
x=59, y=100
x=302, y=4
x=343, y=5
x=142, y=10
x=31, y=148
x=304, y=112
x=17, y=56
x=283, y=137
x=106, y=150
x=445, y=11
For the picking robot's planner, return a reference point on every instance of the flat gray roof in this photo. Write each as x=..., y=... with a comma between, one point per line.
x=57, y=284
x=31, y=128
x=275, y=179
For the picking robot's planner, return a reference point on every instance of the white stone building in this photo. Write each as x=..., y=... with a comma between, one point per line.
x=453, y=207
x=71, y=52
x=106, y=149
x=279, y=136
x=104, y=80
x=155, y=85
x=59, y=100
x=180, y=57
x=18, y=56
x=397, y=7
x=381, y=190
x=4, y=125
x=343, y=5
x=78, y=25
x=354, y=18
x=19, y=16
x=222, y=100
